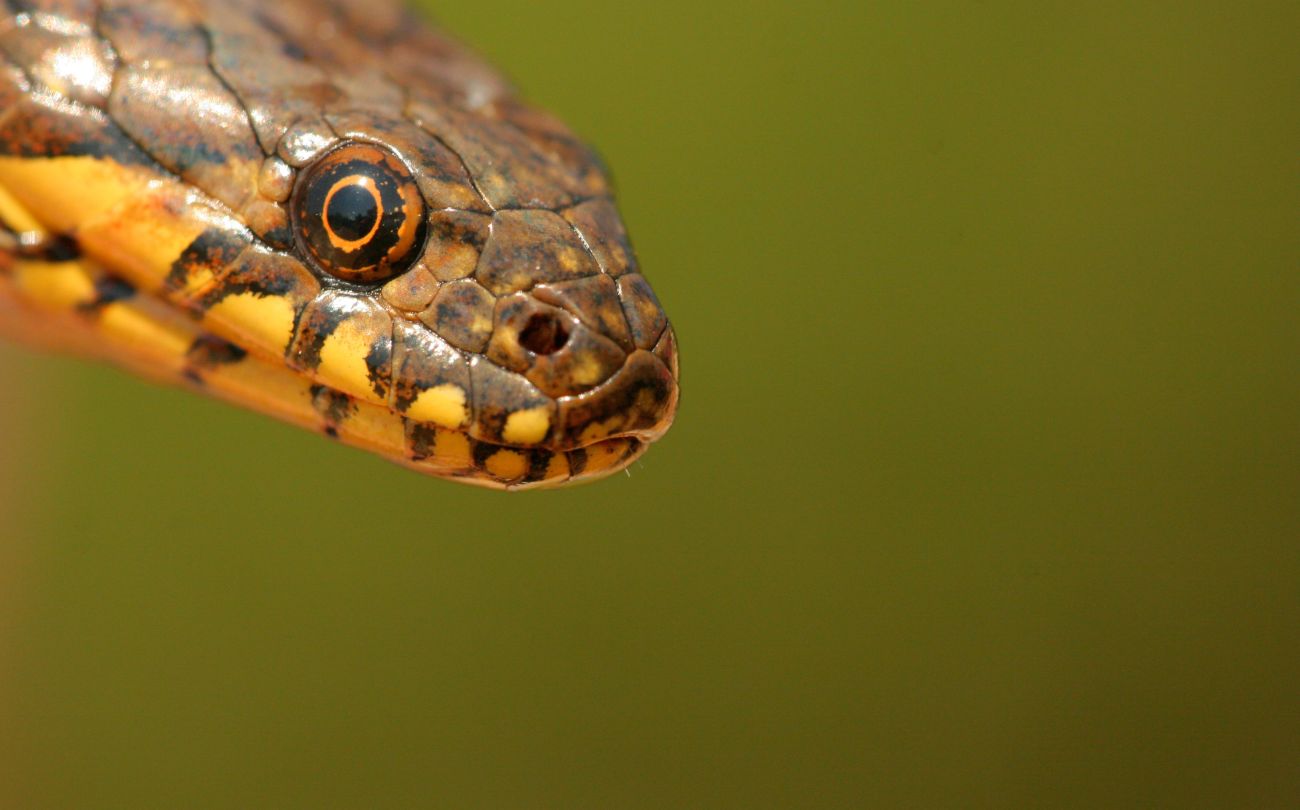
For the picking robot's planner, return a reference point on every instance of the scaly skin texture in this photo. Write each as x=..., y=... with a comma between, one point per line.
x=157, y=209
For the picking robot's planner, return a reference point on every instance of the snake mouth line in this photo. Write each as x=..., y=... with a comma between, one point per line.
x=504, y=467
x=595, y=436
x=500, y=466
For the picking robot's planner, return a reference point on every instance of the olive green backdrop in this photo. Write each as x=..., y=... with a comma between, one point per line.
x=984, y=490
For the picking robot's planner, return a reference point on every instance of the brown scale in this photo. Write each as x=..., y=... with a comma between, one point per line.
x=531, y=247
x=600, y=227
x=44, y=55
x=456, y=242
x=462, y=312
x=412, y=291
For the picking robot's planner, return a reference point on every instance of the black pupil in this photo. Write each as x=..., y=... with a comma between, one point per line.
x=352, y=212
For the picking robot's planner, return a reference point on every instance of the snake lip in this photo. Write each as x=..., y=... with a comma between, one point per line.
x=638, y=402
x=598, y=433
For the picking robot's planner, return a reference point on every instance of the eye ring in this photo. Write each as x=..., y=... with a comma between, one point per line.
x=358, y=214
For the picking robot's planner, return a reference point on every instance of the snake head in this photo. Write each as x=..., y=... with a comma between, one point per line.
x=342, y=217
x=527, y=346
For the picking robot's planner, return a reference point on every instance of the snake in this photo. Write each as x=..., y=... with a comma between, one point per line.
x=334, y=213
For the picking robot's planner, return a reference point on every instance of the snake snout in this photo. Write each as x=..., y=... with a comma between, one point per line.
x=639, y=402
x=573, y=343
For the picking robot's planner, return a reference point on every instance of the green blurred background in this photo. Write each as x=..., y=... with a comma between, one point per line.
x=984, y=491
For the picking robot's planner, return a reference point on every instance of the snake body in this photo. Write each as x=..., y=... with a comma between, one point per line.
x=330, y=212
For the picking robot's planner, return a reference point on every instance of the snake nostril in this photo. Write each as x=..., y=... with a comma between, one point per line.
x=545, y=333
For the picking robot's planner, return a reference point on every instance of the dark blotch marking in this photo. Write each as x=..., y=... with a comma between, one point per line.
x=212, y=250
x=539, y=461
x=314, y=330
x=420, y=440
x=577, y=462
x=272, y=284
x=378, y=360
x=333, y=406
x=48, y=249
x=108, y=290
x=482, y=451
x=36, y=130
x=209, y=352
x=264, y=274
x=279, y=238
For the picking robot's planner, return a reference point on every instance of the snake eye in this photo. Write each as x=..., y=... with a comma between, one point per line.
x=358, y=213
